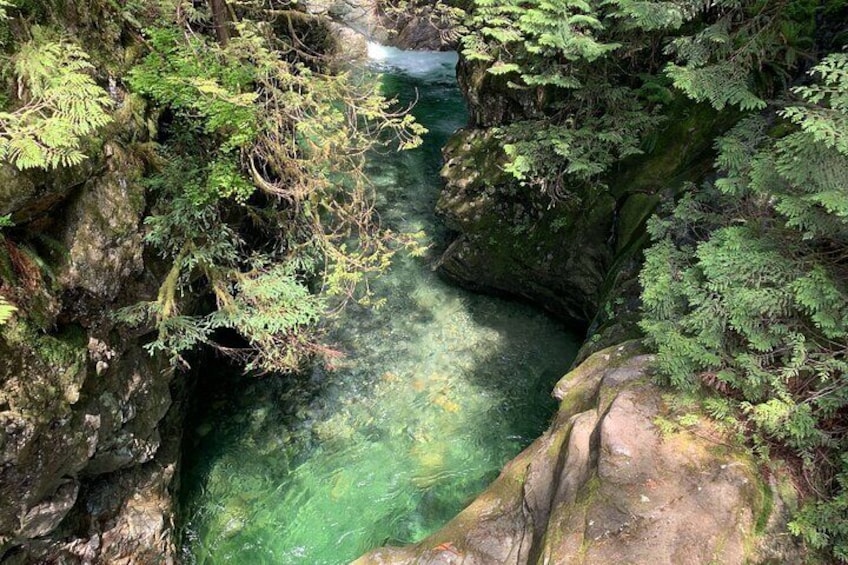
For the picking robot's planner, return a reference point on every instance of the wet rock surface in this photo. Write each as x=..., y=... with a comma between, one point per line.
x=84, y=471
x=510, y=241
x=418, y=26
x=603, y=485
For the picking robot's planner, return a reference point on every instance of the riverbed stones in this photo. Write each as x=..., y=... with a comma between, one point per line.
x=604, y=485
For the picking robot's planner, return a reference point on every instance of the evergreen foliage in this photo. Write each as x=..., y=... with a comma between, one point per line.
x=258, y=203
x=598, y=71
x=195, y=79
x=745, y=286
x=5, y=5
x=263, y=146
x=742, y=51
x=6, y=310
x=60, y=104
x=594, y=114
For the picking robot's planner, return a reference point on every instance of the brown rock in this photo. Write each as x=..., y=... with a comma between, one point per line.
x=603, y=486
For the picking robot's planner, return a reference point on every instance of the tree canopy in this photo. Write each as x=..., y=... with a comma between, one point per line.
x=260, y=206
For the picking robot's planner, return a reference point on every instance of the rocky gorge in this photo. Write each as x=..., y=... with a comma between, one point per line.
x=602, y=485
x=90, y=434
x=92, y=424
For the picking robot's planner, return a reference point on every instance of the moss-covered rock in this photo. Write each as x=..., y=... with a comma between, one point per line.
x=567, y=256
x=29, y=195
x=73, y=410
x=44, y=442
x=101, y=228
x=510, y=239
x=84, y=476
x=491, y=101
x=604, y=485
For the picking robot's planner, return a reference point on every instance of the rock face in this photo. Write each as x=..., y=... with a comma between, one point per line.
x=491, y=101
x=510, y=241
x=84, y=471
x=560, y=254
x=604, y=485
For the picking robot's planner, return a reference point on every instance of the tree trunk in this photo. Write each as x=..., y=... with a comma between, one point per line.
x=221, y=20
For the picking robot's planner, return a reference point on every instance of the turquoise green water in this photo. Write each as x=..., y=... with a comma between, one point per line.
x=438, y=389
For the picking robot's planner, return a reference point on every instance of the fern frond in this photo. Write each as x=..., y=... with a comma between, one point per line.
x=61, y=105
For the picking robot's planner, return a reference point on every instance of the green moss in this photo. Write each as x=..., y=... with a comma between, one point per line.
x=62, y=349
x=590, y=492
x=559, y=442
x=786, y=490
x=587, y=497
x=632, y=217
x=764, y=507
x=54, y=367
x=679, y=151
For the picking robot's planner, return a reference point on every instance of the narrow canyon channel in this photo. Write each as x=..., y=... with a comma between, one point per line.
x=438, y=388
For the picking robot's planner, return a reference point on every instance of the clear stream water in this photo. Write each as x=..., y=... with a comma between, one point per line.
x=438, y=390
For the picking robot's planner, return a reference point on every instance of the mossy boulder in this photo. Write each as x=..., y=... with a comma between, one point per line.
x=511, y=241
x=101, y=228
x=565, y=255
x=491, y=100
x=44, y=443
x=29, y=195
x=605, y=485
x=74, y=409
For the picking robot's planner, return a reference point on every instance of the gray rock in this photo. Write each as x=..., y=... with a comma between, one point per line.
x=43, y=518
x=101, y=229
x=81, y=409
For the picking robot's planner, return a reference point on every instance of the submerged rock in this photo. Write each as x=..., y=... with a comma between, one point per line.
x=603, y=485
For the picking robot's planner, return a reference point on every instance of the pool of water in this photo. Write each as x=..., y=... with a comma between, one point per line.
x=437, y=390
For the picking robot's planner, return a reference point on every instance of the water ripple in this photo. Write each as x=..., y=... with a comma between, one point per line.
x=440, y=388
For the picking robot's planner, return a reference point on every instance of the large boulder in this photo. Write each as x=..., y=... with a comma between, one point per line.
x=28, y=195
x=606, y=484
x=562, y=254
x=76, y=411
x=101, y=228
x=508, y=238
x=490, y=98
